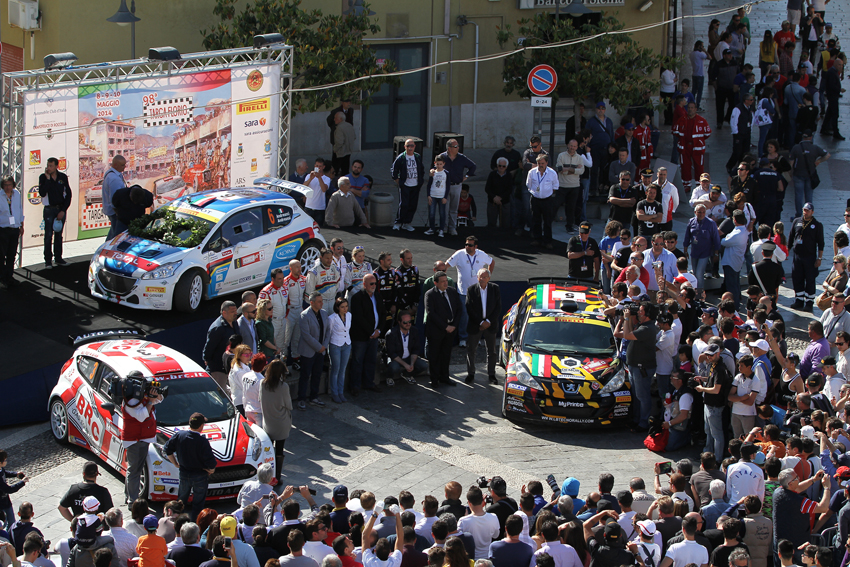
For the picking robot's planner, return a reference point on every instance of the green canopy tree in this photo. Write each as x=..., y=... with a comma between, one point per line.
x=612, y=66
x=328, y=49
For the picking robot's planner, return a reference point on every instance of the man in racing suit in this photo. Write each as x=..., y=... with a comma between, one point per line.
x=407, y=280
x=669, y=198
x=643, y=133
x=138, y=431
x=276, y=293
x=324, y=277
x=296, y=288
x=692, y=131
x=387, y=288
x=338, y=249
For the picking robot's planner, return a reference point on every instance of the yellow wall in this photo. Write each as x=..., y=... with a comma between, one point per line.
x=80, y=26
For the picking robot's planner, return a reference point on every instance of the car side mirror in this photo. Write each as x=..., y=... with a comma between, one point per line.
x=109, y=406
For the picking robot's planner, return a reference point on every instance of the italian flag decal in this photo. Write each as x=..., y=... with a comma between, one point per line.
x=541, y=364
x=544, y=297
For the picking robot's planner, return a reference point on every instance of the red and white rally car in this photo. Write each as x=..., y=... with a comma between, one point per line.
x=83, y=412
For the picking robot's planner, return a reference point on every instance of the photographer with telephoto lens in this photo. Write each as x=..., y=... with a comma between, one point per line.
x=139, y=396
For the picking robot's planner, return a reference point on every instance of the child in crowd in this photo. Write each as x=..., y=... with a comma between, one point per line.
x=466, y=206
x=7, y=489
x=437, y=187
x=685, y=363
x=151, y=548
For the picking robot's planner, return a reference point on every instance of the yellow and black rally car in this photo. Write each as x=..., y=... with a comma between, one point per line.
x=560, y=357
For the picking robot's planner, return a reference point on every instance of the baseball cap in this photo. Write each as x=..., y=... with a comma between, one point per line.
x=764, y=161
x=665, y=318
x=760, y=344
x=340, y=490
x=711, y=312
x=808, y=432
x=584, y=227
x=845, y=484
x=646, y=172
x=499, y=486
x=150, y=522
x=716, y=189
x=629, y=126
x=842, y=473
x=705, y=176
x=727, y=52
x=612, y=531
x=712, y=349
x=793, y=356
x=646, y=527
x=90, y=469
x=600, y=104
x=808, y=207
x=228, y=526
x=828, y=361
x=760, y=458
x=91, y=504
x=807, y=133
x=828, y=25
x=768, y=246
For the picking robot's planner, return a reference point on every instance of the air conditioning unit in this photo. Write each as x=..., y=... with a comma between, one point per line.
x=24, y=14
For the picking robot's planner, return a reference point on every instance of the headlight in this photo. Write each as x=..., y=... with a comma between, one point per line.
x=164, y=271
x=258, y=449
x=615, y=383
x=525, y=379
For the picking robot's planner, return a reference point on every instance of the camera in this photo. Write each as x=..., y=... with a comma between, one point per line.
x=657, y=265
x=634, y=308
x=693, y=383
x=136, y=386
x=483, y=483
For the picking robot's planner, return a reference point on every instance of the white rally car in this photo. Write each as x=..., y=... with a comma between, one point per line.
x=83, y=412
x=251, y=231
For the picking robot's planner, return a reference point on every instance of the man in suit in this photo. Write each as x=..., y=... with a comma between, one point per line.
x=315, y=338
x=367, y=314
x=403, y=349
x=484, y=307
x=247, y=325
x=443, y=309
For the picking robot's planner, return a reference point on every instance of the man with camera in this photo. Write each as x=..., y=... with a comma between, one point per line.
x=640, y=330
x=139, y=396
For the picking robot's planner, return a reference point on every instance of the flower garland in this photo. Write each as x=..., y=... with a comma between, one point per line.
x=162, y=225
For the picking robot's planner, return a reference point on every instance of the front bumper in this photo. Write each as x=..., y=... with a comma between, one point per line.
x=225, y=482
x=132, y=292
x=553, y=405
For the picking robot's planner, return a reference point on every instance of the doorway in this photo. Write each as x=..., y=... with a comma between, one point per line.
x=402, y=110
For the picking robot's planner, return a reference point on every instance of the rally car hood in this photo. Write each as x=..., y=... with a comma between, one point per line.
x=568, y=367
x=228, y=439
x=128, y=255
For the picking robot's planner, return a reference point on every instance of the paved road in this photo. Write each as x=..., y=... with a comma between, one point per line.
x=410, y=438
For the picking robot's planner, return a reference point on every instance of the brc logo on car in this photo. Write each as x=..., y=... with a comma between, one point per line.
x=88, y=417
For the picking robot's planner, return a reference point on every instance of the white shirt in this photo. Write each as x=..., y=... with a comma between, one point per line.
x=317, y=201
x=683, y=496
x=669, y=202
x=438, y=185
x=668, y=261
x=317, y=550
x=484, y=529
x=668, y=81
x=234, y=378
x=743, y=478
x=340, y=330
x=743, y=387
x=668, y=348
x=524, y=536
x=697, y=349
x=483, y=291
x=842, y=362
x=342, y=266
x=564, y=555
x=676, y=327
x=688, y=551
x=423, y=527
x=686, y=402
x=833, y=385
x=467, y=268
x=625, y=521
x=412, y=173
x=760, y=383
x=139, y=412
x=755, y=249
x=125, y=544
x=251, y=391
x=542, y=185
x=371, y=560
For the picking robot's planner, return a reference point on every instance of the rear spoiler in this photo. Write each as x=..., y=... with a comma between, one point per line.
x=562, y=281
x=106, y=335
x=283, y=186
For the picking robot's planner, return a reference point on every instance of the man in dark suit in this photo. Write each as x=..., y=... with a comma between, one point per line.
x=484, y=306
x=367, y=312
x=403, y=348
x=442, y=307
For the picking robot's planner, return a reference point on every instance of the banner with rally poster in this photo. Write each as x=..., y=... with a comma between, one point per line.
x=179, y=134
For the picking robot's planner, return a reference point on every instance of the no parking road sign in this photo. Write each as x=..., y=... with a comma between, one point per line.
x=542, y=80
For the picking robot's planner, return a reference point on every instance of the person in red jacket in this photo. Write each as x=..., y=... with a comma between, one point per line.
x=692, y=132
x=643, y=133
x=139, y=428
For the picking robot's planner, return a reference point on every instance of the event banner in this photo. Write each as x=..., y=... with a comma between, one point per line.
x=179, y=134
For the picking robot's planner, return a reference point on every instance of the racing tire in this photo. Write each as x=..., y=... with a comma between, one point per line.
x=309, y=253
x=59, y=421
x=189, y=292
x=144, y=483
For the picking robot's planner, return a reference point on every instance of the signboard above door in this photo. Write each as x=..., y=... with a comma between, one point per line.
x=546, y=4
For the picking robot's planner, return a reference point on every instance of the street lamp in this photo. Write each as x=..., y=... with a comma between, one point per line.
x=124, y=17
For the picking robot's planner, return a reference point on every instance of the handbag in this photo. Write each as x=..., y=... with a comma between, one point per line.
x=762, y=116
x=824, y=301
x=57, y=225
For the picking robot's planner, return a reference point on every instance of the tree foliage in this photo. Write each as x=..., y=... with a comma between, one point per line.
x=328, y=49
x=612, y=66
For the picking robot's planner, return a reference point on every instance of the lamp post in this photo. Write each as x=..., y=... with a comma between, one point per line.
x=124, y=17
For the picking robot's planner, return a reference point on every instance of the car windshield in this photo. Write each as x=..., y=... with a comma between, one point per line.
x=551, y=336
x=176, y=229
x=188, y=395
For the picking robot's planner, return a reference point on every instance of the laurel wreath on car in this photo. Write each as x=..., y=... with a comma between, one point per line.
x=162, y=225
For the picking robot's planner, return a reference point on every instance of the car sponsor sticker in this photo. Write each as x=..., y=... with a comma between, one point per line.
x=565, y=419
x=570, y=388
x=516, y=389
x=623, y=393
x=158, y=488
x=565, y=404
x=620, y=411
x=251, y=258
x=170, y=481
x=620, y=399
